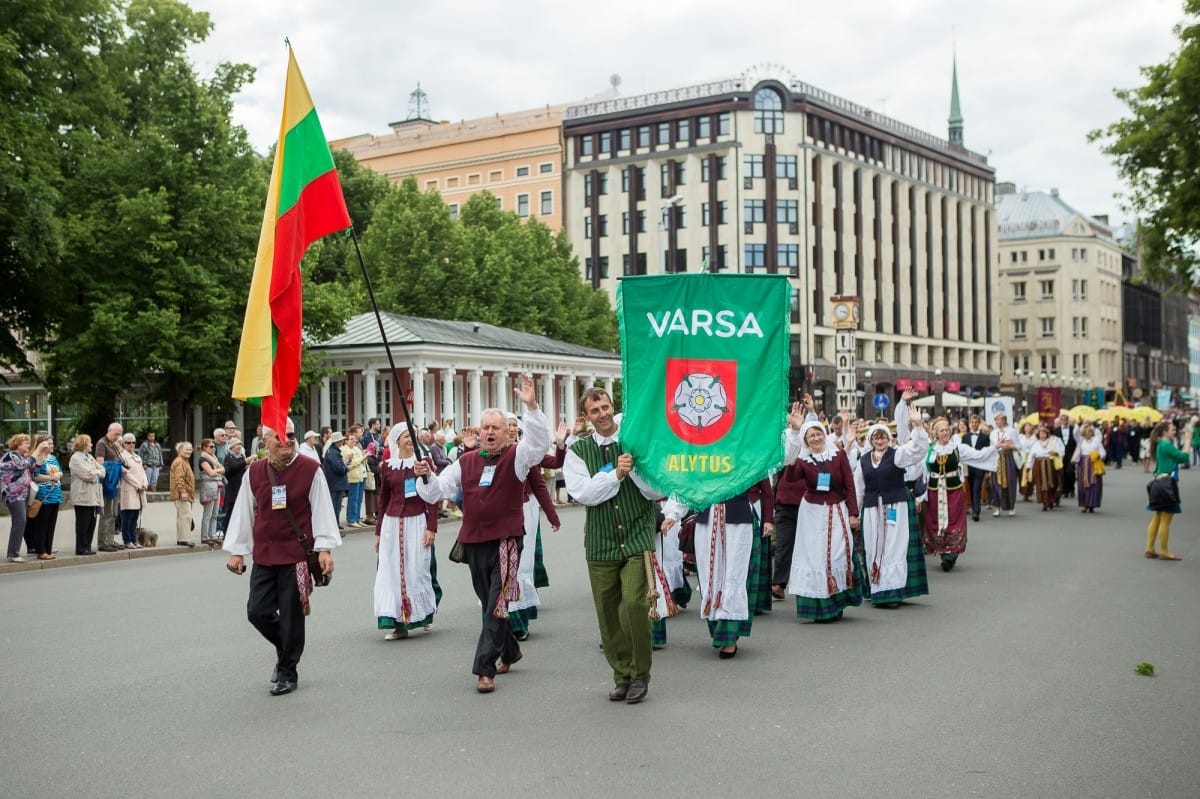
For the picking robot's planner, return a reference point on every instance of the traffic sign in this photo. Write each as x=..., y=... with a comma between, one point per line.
x=881, y=402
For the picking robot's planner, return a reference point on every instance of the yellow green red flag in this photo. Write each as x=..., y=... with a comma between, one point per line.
x=304, y=203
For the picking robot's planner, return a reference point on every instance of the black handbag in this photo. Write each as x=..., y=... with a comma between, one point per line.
x=687, y=534
x=1162, y=493
x=458, y=552
x=319, y=578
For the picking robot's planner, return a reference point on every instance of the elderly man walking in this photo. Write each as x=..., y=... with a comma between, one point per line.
x=108, y=452
x=492, y=481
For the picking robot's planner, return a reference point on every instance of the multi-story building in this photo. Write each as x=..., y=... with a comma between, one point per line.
x=762, y=173
x=1059, y=294
x=517, y=157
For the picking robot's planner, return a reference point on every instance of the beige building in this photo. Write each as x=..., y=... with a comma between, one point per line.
x=1059, y=291
x=762, y=173
x=517, y=157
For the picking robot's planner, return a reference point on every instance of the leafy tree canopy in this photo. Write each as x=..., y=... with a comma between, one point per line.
x=1156, y=149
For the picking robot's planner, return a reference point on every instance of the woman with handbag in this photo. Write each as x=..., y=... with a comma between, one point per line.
x=208, y=491
x=1089, y=468
x=183, y=491
x=16, y=482
x=87, y=495
x=405, y=531
x=132, y=499
x=48, y=478
x=1163, y=490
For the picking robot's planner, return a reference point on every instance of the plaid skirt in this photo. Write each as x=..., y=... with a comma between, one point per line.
x=541, y=579
x=725, y=632
x=917, y=583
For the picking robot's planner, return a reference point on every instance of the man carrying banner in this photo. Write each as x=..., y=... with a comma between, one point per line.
x=618, y=539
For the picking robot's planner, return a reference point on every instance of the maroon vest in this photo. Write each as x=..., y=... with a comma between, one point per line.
x=275, y=542
x=493, y=512
x=392, y=501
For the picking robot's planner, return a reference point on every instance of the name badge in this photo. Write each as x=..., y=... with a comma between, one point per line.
x=891, y=516
x=278, y=497
x=485, y=479
x=410, y=487
x=823, y=481
x=608, y=467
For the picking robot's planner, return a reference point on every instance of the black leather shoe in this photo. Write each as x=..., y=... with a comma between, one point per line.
x=637, y=691
x=283, y=687
x=274, y=676
x=619, y=693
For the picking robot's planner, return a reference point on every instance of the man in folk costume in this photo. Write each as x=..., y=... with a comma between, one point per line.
x=1008, y=467
x=618, y=544
x=976, y=439
x=1067, y=433
x=492, y=481
x=283, y=498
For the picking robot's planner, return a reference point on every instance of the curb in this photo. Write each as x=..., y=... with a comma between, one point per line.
x=133, y=554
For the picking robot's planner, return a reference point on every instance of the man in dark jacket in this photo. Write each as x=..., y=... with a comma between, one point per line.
x=335, y=474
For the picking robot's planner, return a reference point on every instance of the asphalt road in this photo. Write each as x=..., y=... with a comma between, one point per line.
x=1014, y=678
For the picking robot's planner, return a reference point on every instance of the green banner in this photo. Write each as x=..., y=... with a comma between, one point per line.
x=704, y=364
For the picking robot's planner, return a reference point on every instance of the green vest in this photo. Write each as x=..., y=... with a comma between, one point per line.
x=620, y=527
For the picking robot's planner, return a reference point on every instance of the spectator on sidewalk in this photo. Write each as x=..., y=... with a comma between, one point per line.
x=108, y=452
x=335, y=473
x=16, y=481
x=133, y=492
x=87, y=480
x=183, y=493
x=152, y=459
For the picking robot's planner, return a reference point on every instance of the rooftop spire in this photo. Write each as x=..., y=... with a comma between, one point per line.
x=956, y=119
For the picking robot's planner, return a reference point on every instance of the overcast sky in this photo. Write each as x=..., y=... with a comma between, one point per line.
x=1034, y=75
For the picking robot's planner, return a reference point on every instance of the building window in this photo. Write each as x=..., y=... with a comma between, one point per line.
x=785, y=167
x=1014, y=256
x=1046, y=287
x=754, y=257
x=724, y=124
x=603, y=222
x=522, y=171
x=522, y=205
x=1018, y=288
x=605, y=142
x=587, y=190
x=624, y=223
x=454, y=210
x=722, y=213
x=585, y=146
x=643, y=136
x=680, y=260
x=705, y=169
x=1018, y=328
x=625, y=139
x=1047, y=326
x=703, y=128
x=787, y=211
x=754, y=211
x=587, y=226
x=1050, y=254
x=795, y=307
x=1024, y=257
x=499, y=203
x=789, y=258
x=641, y=182
x=451, y=183
x=638, y=269
x=752, y=166
x=1079, y=327
x=474, y=179
x=768, y=111
x=1079, y=289
x=431, y=185
x=495, y=176
x=547, y=203
x=664, y=134
x=707, y=265
x=545, y=168
x=588, y=266
x=625, y=179
x=683, y=132
x=1083, y=364
x=641, y=217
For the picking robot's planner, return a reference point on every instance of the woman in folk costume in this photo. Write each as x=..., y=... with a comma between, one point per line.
x=1089, y=468
x=730, y=545
x=1025, y=440
x=1043, y=462
x=946, y=511
x=405, y=529
x=890, y=529
x=1008, y=466
x=827, y=573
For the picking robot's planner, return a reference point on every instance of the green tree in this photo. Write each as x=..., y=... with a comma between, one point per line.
x=51, y=91
x=1157, y=152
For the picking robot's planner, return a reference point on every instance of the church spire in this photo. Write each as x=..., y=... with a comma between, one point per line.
x=956, y=119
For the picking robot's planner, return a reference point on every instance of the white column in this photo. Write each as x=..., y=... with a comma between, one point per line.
x=548, y=400
x=476, y=400
x=370, y=411
x=324, y=404
x=608, y=385
x=572, y=400
x=500, y=390
x=447, y=395
x=418, y=402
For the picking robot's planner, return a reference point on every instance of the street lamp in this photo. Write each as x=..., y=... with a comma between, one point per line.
x=869, y=391
x=937, y=392
x=667, y=224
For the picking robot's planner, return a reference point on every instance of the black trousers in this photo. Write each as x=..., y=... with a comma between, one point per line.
x=975, y=484
x=785, y=540
x=1068, y=478
x=275, y=611
x=39, y=531
x=85, y=527
x=496, y=639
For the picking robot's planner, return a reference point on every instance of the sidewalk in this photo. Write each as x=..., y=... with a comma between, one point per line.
x=159, y=517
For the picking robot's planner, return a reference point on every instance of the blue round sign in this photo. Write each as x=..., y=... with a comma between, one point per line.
x=881, y=402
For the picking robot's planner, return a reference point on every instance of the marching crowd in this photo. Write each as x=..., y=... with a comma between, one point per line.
x=851, y=517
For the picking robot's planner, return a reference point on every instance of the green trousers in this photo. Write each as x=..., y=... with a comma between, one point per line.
x=619, y=590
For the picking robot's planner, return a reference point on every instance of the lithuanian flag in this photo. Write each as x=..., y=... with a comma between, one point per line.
x=304, y=203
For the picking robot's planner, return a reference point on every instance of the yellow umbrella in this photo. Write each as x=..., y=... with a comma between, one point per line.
x=1083, y=413
x=1146, y=414
x=1121, y=412
x=1030, y=419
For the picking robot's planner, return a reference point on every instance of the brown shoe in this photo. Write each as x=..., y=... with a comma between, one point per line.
x=619, y=693
x=502, y=667
x=485, y=685
x=637, y=690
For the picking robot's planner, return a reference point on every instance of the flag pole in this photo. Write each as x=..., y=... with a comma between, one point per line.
x=408, y=423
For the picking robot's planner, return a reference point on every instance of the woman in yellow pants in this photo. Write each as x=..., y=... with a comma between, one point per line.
x=1167, y=458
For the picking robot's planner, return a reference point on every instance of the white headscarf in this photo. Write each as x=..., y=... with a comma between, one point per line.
x=394, y=460
x=878, y=428
x=806, y=453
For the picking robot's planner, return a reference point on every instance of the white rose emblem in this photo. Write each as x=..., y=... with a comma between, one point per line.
x=700, y=400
